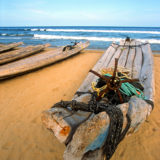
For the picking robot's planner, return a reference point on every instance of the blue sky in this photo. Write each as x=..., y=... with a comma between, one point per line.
x=80, y=12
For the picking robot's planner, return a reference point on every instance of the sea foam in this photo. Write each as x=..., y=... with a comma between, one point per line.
x=41, y=36
x=101, y=31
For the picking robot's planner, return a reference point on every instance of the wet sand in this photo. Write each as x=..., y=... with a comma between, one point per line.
x=22, y=100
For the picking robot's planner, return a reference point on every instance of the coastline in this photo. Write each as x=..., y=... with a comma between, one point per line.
x=23, y=99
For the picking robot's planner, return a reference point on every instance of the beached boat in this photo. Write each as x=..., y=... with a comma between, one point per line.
x=21, y=53
x=40, y=60
x=91, y=125
x=4, y=48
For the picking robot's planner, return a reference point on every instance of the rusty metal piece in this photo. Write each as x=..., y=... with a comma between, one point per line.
x=129, y=80
x=100, y=76
x=113, y=82
x=115, y=69
x=120, y=96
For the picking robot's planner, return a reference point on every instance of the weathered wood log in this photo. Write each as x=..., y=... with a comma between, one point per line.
x=137, y=65
x=116, y=54
x=89, y=137
x=123, y=57
x=37, y=61
x=21, y=53
x=147, y=72
x=131, y=56
x=10, y=46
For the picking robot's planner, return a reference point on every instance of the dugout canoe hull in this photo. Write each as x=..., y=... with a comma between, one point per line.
x=21, y=53
x=84, y=133
x=38, y=61
x=4, y=48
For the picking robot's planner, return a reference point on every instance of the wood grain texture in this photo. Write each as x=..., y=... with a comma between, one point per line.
x=131, y=56
x=147, y=72
x=137, y=64
x=123, y=56
x=117, y=54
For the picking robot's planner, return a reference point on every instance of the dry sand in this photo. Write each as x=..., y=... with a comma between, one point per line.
x=22, y=100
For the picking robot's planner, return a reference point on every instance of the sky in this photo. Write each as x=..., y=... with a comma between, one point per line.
x=80, y=13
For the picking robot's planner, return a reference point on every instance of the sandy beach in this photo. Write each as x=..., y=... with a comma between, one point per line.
x=22, y=100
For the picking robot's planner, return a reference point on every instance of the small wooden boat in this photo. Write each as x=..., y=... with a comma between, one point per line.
x=21, y=53
x=4, y=48
x=40, y=60
x=91, y=135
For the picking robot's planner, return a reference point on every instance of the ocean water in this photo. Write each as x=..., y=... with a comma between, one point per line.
x=99, y=37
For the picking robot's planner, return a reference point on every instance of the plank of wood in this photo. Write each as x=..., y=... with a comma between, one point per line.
x=147, y=72
x=131, y=56
x=137, y=65
x=21, y=53
x=38, y=61
x=123, y=56
x=10, y=46
x=116, y=54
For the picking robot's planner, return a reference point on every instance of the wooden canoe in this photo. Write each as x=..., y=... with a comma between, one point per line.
x=38, y=61
x=21, y=53
x=84, y=133
x=4, y=48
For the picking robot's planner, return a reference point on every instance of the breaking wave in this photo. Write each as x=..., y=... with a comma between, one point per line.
x=101, y=31
x=36, y=29
x=38, y=36
x=16, y=35
x=76, y=37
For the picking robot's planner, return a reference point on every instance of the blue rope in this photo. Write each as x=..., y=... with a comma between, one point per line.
x=129, y=90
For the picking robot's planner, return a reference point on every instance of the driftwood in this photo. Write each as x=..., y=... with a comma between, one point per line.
x=10, y=46
x=21, y=53
x=85, y=140
x=38, y=61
